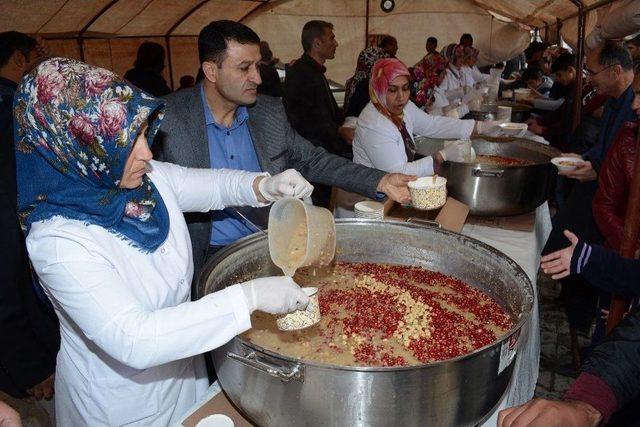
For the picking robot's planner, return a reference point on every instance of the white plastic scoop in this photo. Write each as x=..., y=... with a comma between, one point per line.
x=300, y=234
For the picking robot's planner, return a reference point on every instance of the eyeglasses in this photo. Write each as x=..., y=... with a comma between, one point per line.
x=591, y=73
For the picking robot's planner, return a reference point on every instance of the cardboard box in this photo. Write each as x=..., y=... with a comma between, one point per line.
x=451, y=216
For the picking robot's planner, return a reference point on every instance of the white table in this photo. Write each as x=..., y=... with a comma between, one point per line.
x=524, y=248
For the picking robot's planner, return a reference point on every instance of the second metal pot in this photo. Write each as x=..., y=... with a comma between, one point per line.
x=491, y=190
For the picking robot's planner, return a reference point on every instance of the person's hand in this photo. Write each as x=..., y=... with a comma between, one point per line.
x=347, y=133
x=44, y=389
x=550, y=413
x=275, y=295
x=558, y=263
x=8, y=416
x=584, y=172
x=531, y=121
x=286, y=184
x=394, y=185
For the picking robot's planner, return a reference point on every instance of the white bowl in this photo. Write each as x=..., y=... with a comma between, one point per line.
x=215, y=420
x=513, y=129
x=565, y=164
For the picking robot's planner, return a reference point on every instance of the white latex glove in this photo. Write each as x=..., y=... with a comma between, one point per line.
x=459, y=151
x=286, y=184
x=463, y=110
x=275, y=295
x=488, y=127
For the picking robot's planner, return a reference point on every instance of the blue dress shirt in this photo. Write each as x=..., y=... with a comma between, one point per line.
x=229, y=148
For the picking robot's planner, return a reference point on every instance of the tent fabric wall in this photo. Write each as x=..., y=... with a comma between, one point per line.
x=112, y=30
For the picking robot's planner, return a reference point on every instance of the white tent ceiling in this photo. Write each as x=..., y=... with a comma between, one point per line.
x=107, y=32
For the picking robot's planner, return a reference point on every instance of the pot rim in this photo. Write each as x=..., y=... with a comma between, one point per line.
x=528, y=303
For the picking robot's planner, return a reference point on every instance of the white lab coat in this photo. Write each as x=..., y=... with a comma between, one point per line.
x=452, y=85
x=440, y=101
x=378, y=142
x=129, y=330
x=466, y=76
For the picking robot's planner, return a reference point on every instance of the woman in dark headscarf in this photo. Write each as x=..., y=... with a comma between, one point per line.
x=108, y=240
x=356, y=95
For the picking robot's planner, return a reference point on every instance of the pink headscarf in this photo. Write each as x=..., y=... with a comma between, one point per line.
x=383, y=73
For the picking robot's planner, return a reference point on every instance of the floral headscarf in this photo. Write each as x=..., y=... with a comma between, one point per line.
x=383, y=73
x=426, y=76
x=366, y=59
x=75, y=127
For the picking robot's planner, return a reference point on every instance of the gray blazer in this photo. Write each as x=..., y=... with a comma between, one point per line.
x=182, y=140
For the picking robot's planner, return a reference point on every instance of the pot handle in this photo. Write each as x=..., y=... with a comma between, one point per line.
x=483, y=173
x=251, y=359
x=427, y=222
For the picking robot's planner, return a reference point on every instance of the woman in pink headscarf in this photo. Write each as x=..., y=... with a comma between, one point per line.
x=384, y=134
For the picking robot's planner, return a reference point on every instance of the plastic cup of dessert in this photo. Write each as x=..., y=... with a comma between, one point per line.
x=565, y=164
x=428, y=192
x=522, y=94
x=513, y=129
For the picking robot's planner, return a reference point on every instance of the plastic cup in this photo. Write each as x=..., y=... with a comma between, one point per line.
x=369, y=209
x=504, y=113
x=428, y=193
x=300, y=234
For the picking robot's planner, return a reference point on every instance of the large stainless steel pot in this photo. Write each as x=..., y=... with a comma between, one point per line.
x=276, y=390
x=491, y=190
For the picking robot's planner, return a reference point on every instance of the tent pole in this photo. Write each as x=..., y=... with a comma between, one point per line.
x=589, y=8
x=577, y=102
x=629, y=238
x=366, y=24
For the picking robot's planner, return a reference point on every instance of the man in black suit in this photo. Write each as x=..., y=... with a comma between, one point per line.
x=311, y=108
x=29, y=331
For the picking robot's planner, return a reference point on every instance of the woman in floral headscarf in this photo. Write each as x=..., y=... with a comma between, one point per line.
x=384, y=134
x=429, y=75
x=108, y=240
x=356, y=95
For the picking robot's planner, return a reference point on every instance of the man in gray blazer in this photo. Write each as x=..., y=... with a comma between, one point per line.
x=223, y=123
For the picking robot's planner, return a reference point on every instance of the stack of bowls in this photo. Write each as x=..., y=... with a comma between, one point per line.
x=369, y=210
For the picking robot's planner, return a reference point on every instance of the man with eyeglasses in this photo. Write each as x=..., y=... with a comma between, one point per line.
x=609, y=69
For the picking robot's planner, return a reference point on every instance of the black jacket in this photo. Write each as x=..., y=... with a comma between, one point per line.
x=28, y=330
x=149, y=81
x=606, y=270
x=270, y=81
x=311, y=108
x=616, y=360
